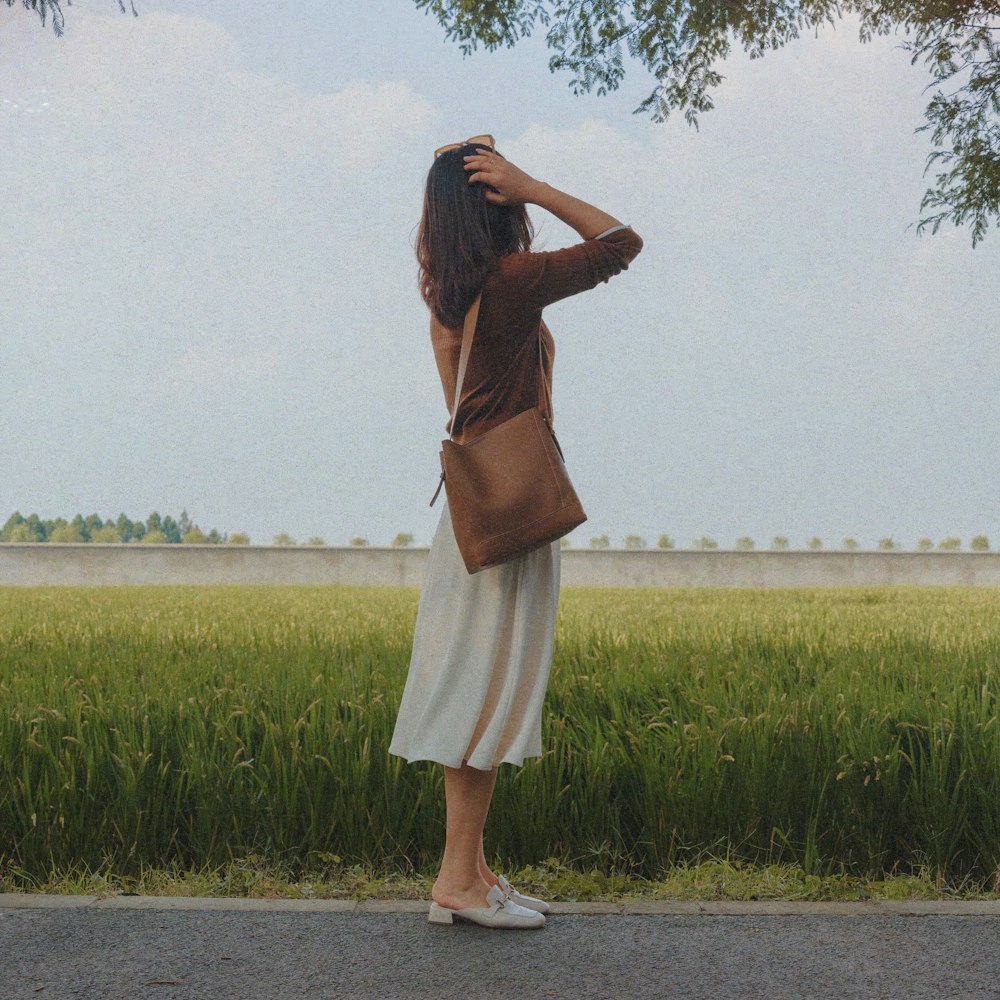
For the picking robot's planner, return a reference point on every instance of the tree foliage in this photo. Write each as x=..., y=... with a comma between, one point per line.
x=682, y=41
x=51, y=8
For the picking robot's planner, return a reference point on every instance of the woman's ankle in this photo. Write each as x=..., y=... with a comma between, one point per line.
x=459, y=882
x=488, y=875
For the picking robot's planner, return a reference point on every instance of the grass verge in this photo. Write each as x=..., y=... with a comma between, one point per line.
x=711, y=879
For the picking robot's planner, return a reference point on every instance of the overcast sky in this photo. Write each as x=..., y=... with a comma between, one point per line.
x=210, y=300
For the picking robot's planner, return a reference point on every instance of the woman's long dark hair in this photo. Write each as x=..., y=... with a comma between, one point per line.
x=462, y=236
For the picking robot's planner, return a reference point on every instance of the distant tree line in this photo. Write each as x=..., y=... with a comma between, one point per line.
x=160, y=530
x=979, y=543
x=154, y=530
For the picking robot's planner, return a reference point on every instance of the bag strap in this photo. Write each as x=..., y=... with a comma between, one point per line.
x=468, y=332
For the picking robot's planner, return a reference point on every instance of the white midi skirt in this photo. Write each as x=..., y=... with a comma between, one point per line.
x=479, y=667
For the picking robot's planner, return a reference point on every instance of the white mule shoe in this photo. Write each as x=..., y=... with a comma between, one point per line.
x=502, y=912
x=529, y=902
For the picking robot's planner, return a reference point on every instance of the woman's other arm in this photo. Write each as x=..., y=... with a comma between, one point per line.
x=544, y=277
x=608, y=247
x=588, y=220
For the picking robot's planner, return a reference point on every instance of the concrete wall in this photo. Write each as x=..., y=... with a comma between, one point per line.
x=34, y=564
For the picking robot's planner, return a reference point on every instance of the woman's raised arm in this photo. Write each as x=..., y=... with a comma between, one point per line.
x=588, y=220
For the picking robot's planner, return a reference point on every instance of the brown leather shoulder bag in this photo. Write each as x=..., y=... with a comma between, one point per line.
x=508, y=489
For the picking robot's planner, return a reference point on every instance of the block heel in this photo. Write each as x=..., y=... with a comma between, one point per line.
x=439, y=915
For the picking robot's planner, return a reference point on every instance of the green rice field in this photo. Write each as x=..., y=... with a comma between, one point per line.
x=841, y=731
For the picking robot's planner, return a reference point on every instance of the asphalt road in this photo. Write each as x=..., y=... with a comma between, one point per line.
x=63, y=952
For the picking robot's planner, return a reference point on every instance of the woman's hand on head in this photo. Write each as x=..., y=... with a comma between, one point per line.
x=512, y=185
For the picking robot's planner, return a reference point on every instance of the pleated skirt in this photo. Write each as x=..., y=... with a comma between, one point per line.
x=482, y=650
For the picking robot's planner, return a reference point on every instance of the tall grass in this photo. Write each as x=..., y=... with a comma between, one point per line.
x=847, y=731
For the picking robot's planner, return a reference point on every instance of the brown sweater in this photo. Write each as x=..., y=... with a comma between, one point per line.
x=501, y=378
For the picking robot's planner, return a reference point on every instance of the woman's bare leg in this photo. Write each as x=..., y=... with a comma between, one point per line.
x=484, y=868
x=460, y=882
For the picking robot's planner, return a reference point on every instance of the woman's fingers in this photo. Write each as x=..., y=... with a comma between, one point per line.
x=480, y=175
x=484, y=172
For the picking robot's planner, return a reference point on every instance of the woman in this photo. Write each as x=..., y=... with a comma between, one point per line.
x=482, y=644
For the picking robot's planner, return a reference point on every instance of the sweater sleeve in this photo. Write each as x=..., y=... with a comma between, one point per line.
x=542, y=277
